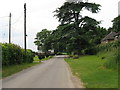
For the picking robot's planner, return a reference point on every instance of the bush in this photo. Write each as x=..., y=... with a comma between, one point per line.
x=28, y=56
x=13, y=54
x=41, y=55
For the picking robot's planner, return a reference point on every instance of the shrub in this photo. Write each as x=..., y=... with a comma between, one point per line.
x=28, y=56
x=13, y=54
x=41, y=55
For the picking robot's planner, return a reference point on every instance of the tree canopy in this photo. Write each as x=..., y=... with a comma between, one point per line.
x=71, y=12
x=75, y=33
x=116, y=24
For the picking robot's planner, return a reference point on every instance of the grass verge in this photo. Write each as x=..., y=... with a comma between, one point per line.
x=46, y=58
x=36, y=59
x=9, y=70
x=91, y=71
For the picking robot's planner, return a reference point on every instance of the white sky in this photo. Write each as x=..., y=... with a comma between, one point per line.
x=40, y=16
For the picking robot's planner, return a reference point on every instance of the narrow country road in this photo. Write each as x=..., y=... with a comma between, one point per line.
x=53, y=73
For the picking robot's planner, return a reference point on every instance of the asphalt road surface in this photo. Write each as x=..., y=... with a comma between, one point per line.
x=54, y=73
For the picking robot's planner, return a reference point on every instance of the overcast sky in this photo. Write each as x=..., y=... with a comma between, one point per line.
x=40, y=16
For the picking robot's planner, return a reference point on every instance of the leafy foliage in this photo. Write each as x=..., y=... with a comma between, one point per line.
x=75, y=33
x=116, y=24
x=13, y=54
x=43, y=40
x=70, y=12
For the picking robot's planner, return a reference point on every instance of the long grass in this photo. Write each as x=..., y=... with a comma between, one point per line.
x=110, y=52
x=111, y=57
x=91, y=71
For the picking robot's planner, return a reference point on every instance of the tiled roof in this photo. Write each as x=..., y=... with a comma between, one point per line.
x=110, y=36
x=118, y=33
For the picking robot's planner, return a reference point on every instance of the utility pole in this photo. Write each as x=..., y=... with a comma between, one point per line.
x=25, y=26
x=10, y=28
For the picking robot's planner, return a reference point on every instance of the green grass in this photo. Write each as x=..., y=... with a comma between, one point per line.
x=47, y=58
x=9, y=70
x=111, y=58
x=91, y=71
x=36, y=59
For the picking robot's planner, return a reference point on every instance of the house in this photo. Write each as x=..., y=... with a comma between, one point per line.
x=111, y=37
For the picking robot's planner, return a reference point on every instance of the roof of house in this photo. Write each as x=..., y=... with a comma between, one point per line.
x=110, y=36
x=118, y=33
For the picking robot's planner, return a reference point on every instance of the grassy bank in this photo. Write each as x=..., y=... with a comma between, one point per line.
x=109, y=52
x=91, y=71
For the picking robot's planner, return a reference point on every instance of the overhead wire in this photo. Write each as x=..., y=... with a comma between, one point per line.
x=13, y=22
x=2, y=18
x=17, y=19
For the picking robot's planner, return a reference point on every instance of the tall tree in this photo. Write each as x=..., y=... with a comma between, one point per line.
x=43, y=40
x=116, y=24
x=71, y=12
x=75, y=26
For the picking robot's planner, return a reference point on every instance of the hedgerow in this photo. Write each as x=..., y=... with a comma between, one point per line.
x=13, y=54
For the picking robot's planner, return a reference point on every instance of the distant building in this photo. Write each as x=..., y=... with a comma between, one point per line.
x=111, y=37
x=40, y=50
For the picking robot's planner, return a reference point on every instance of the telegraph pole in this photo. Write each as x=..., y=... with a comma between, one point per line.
x=10, y=28
x=25, y=26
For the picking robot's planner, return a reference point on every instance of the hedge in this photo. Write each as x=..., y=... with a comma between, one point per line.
x=13, y=54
